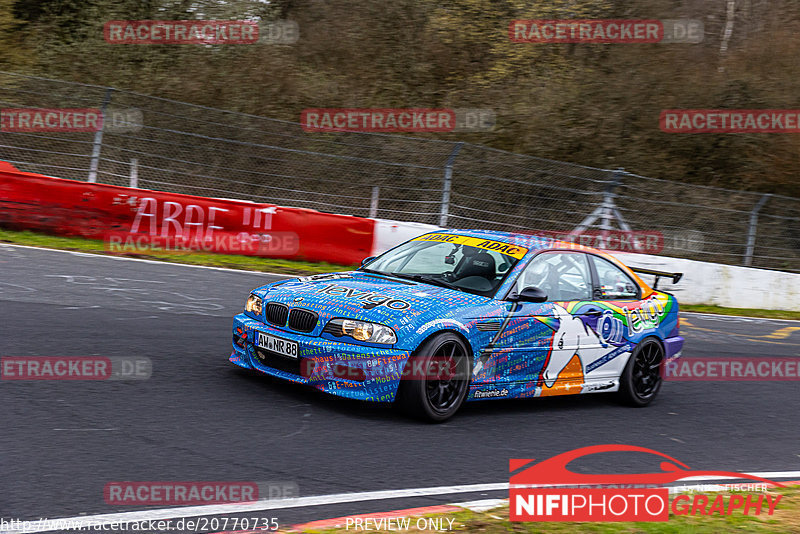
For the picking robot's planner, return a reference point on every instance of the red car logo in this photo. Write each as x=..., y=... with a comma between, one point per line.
x=553, y=471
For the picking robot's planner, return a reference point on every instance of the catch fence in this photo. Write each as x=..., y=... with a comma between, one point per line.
x=162, y=144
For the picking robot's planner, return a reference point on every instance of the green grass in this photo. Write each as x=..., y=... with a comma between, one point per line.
x=785, y=520
x=231, y=261
x=277, y=265
x=745, y=312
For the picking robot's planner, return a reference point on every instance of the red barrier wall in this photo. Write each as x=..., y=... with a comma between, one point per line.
x=139, y=219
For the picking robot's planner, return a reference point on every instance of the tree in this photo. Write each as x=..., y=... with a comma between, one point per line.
x=14, y=54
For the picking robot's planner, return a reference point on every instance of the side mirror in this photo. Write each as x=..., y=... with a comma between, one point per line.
x=367, y=260
x=530, y=294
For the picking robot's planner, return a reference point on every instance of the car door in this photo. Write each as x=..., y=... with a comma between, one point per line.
x=614, y=291
x=538, y=350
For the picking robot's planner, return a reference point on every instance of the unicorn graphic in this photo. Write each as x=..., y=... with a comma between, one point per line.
x=572, y=338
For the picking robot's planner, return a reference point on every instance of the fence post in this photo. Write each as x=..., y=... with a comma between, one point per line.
x=373, y=205
x=752, y=228
x=134, y=172
x=448, y=179
x=98, y=138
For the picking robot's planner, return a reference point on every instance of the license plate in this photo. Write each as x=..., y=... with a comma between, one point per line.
x=284, y=347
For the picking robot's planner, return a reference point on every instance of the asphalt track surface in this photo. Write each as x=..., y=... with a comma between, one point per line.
x=200, y=418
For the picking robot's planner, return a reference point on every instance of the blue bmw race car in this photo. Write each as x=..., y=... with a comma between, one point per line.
x=461, y=315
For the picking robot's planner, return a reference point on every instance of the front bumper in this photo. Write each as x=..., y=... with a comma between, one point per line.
x=343, y=369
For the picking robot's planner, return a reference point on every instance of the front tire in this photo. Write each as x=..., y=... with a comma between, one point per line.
x=436, y=379
x=641, y=380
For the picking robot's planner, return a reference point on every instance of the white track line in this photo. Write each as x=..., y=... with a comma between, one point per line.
x=316, y=500
x=762, y=474
x=156, y=262
x=743, y=318
x=276, y=504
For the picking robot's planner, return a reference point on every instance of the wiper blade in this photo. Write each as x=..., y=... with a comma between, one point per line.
x=428, y=280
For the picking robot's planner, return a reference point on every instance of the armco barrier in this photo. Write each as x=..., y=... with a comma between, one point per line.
x=140, y=220
x=99, y=211
x=389, y=233
x=723, y=285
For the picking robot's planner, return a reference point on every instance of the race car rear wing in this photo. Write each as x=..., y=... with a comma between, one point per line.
x=676, y=277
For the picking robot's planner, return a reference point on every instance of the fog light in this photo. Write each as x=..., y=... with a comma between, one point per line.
x=253, y=305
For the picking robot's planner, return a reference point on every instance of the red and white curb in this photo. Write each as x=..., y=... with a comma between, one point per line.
x=483, y=505
x=178, y=512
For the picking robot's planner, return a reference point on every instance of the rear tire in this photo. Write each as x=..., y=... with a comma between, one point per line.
x=641, y=380
x=436, y=379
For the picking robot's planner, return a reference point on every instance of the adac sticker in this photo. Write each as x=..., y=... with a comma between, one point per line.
x=508, y=249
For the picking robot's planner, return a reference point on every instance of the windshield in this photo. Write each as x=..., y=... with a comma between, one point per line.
x=463, y=263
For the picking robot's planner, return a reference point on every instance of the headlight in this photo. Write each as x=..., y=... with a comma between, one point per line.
x=253, y=304
x=362, y=331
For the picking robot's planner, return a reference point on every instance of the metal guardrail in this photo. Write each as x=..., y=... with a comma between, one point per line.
x=205, y=151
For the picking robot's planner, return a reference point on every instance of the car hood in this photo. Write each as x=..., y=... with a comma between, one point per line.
x=358, y=295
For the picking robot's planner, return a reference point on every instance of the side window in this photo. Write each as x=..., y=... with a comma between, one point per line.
x=614, y=283
x=563, y=276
